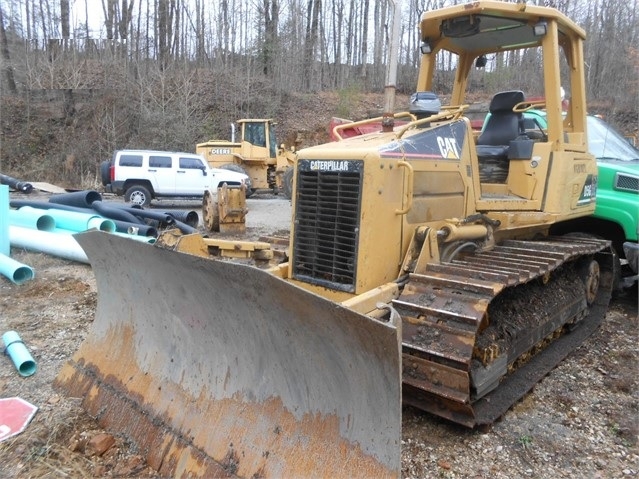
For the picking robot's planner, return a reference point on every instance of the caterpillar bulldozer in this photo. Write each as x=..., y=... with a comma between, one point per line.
x=415, y=275
x=256, y=154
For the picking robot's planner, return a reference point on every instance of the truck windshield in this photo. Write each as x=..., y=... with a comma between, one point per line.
x=607, y=144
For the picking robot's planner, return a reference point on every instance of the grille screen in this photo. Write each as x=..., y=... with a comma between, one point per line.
x=327, y=224
x=627, y=183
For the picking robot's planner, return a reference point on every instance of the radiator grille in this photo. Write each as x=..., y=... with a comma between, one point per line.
x=627, y=183
x=327, y=216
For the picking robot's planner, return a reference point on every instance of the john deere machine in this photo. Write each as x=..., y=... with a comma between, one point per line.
x=256, y=154
x=415, y=275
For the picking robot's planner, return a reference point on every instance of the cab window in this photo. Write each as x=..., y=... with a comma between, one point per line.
x=255, y=133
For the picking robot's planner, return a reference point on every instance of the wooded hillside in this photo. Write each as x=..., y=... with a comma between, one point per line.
x=82, y=78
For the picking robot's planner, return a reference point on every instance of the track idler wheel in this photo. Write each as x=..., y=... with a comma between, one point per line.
x=210, y=212
x=591, y=276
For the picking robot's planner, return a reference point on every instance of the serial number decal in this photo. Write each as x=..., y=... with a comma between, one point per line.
x=220, y=151
x=328, y=165
x=589, y=191
x=580, y=168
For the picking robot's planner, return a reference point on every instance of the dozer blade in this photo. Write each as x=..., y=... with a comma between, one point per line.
x=216, y=369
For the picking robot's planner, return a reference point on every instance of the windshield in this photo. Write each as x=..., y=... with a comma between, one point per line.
x=606, y=143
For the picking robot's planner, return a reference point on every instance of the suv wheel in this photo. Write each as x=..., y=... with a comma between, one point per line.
x=138, y=195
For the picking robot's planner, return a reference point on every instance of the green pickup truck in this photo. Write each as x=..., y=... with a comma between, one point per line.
x=616, y=214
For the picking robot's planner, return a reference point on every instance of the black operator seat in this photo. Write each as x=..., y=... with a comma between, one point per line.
x=503, y=126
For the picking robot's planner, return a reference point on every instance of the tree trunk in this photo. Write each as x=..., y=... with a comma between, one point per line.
x=364, y=49
x=8, y=69
x=64, y=18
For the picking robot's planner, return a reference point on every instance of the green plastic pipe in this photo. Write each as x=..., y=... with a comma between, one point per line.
x=77, y=222
x=14, y=347
x=5, y=245
x=15, y=271
x=32, y=218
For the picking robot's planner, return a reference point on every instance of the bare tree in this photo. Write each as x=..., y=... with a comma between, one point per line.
x=64, y=18
x=8, y=68
x=310, y=41
x=109, y=9
x=270, y=48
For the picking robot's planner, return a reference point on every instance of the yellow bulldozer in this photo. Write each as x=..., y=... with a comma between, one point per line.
x=421, y=270
x=256, y=154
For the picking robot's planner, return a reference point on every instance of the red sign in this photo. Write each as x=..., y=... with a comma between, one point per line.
x=15, y=414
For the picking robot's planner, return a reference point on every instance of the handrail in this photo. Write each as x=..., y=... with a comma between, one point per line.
x=453, y=112
x=367, y=121
x=528, y=105
x=409, y=203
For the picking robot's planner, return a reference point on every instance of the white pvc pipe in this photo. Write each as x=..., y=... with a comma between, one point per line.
x=134, y=237
x=61, y=245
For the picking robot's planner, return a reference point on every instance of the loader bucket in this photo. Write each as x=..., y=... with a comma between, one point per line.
x=218, y=369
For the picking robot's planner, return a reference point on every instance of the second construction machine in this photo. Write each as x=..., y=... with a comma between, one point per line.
x=256, y=154
x=418, y=272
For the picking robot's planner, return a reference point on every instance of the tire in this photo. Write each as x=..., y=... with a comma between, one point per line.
x=138, y=195
x=239, y=169
x=105, y=172
x=287, y=183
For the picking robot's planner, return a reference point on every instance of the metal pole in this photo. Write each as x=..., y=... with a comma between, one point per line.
x=388, y=118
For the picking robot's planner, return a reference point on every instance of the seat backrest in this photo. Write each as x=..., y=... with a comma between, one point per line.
x=504, y=124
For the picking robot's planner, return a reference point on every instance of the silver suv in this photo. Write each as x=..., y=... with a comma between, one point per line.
x=143, y=175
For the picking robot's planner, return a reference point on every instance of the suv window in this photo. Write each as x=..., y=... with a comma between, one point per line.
x=131, y=160
x=191, y=163
x=160, y=161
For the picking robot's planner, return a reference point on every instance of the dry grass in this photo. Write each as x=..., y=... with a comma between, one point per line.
x=41, y=450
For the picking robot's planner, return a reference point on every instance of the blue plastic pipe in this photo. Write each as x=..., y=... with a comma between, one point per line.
x=17, y=272
x=76, y=222
x=14, y=347
x=5, y=245
x=32, y=218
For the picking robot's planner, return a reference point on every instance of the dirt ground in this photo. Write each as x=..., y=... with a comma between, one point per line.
x=581, y=421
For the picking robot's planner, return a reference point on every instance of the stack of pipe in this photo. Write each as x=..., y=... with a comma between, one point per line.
x=127, y=219
x=48, y=227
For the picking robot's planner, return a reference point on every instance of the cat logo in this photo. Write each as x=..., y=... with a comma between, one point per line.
x=448, y=148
